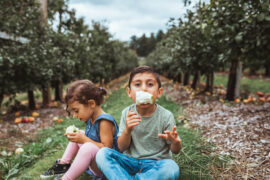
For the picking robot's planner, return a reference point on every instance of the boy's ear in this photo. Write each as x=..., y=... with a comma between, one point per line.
x=160, y=91
x=92, y=103
x=128, y=92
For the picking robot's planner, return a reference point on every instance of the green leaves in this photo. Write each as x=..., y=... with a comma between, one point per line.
x=239, y=37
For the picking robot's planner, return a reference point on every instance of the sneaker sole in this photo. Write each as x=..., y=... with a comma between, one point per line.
x=45, y=177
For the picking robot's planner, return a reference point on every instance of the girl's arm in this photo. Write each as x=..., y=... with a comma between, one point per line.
x=106, y=131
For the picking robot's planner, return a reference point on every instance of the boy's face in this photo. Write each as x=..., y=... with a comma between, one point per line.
x=144, y=82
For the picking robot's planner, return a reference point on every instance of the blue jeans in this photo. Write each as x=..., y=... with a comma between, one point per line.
x=115, y=165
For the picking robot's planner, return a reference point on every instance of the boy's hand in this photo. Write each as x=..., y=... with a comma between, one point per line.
x=171, y=136
x=132, y=120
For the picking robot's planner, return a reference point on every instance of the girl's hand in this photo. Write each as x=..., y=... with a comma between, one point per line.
x=171, y=136
x=132, y=120
x=77, y=137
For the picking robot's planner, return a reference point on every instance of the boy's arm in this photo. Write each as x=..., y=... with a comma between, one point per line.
x=176, y=146
x=132, y=120
x=172, y=136
x=124, y=140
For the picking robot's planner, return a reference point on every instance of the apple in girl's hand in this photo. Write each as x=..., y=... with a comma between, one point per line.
x=143, y=98
x=72, y=129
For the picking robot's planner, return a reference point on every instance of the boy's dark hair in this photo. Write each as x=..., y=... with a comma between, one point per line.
x=143, y=69
x=84, y=90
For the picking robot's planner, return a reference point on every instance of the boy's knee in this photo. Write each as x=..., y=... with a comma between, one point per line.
x=102, y=155
x=170, y=170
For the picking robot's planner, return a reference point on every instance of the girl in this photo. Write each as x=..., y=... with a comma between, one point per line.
x=83, y=101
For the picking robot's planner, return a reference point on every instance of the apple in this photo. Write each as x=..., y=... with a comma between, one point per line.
x=19, y=151
x=25, y=119
x=207, y=93
x=17, y=114
x=221, y=86
x=143, y=97
x=237, y=100
x=259, y=93
x=35, y=114
x=72, y=129
x=246, y=101
x=262, y=99
x=18, y=120
x=31, y=119
x=55, y=118
x=59, y=120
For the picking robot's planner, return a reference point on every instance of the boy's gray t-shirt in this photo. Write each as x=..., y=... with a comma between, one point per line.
x=145, y=143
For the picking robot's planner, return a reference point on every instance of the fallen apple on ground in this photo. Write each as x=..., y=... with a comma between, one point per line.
x=237, y=100
x=259, y=93
x=18, y=120
x=35, y=114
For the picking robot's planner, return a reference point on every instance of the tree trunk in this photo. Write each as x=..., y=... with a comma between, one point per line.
x=186, y=78
x=179, y=78
x=58, y=91
x=209, y=82
x=46, y=95
x=43, y=8
x=196, y=80
x=31, y=100
x=267, y=69
x=232, y=80
x=1, y=100
x=238, y=79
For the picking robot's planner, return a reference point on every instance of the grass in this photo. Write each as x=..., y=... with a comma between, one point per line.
x=194, y=160
x=247, y=84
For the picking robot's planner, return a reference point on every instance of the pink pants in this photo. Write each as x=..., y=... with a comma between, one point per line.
x=85, y=158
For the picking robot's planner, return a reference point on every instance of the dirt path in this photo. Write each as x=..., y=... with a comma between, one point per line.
x=239, y=130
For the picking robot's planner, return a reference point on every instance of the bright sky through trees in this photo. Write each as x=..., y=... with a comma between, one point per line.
x=127, y=18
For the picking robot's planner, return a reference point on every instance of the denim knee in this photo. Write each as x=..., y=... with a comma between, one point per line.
x=102, y=155
x=170, y=170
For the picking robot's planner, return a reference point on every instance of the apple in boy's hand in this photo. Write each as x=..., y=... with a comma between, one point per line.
x=143, y=97
x=72, y=129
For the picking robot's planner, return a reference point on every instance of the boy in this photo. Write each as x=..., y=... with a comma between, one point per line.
x=147, y=135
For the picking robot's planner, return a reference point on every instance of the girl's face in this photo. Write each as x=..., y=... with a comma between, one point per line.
x=81, y=111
